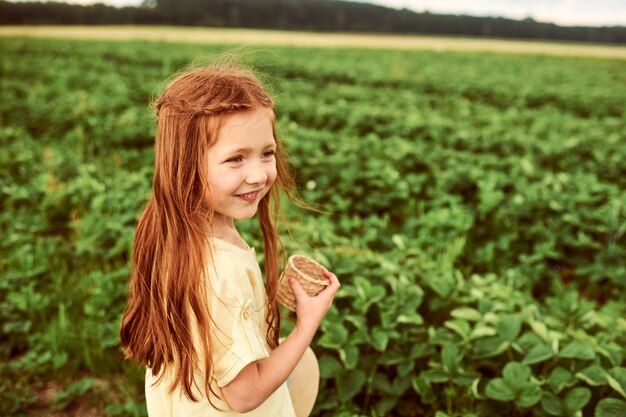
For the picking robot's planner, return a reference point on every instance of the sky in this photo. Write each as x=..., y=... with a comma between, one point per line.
x=561, y=12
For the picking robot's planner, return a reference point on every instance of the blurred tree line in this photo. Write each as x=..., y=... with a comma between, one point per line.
x=310, y=15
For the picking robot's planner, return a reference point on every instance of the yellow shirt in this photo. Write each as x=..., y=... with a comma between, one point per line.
x=237, y=305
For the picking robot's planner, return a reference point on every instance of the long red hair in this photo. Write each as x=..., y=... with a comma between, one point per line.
x=167, y=295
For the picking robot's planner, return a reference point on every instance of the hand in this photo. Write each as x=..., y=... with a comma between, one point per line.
x=311, y=310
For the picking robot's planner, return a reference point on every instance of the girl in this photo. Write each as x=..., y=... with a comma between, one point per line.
x=198, y=316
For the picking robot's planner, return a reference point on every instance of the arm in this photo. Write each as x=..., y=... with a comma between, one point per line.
x=259, y=379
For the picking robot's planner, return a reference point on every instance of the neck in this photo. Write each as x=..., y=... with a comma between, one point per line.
x=226, y=230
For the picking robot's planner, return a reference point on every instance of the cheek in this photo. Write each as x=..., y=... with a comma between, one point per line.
x=222, y=181
x=271, y=175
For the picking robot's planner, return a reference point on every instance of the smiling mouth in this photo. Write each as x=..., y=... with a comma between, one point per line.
x=249, y=197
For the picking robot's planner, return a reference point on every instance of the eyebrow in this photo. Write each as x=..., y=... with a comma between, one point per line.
x=247, y=149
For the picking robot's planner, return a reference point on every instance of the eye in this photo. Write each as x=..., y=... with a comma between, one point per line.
x=235, y=159
x=269, y=153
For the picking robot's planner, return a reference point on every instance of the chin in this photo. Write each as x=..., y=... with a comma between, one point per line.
x=246, y=216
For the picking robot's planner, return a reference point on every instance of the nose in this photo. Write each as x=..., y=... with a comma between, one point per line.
x=256, y=174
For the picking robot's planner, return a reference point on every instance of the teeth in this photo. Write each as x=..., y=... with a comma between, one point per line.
x=249, y=195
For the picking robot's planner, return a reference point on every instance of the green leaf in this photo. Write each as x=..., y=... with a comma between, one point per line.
x=515, y=374
x=466, y=379
x=380, y=338
x=59, y=359
x=578, y=350
x=576, y=399
x=530, y=395
x=399, y=242
x=349, y=383
x=482, y=330
x=460, y=327
x=436, y=376
x=616, y=378
x=538, y=353
x=329, y=367
x=490, y=346
x=551, y=404
x=421, y=350
x=509, y=327
x=540, y=330
x=466, y=313
x=384, y=405
x=450, y=358
x=561, y=378
x=381, y=382
x=335, y=335
x=405, y=368
x=392, y=357
x=22, y=326
x=63, y=399
x=610, y=407
x=424, y=389
x=401, y=384
x=527, y=341
x=367, y=292
x=443, y=284
x=612, y=352
x=593, y=375
x=499, y=390
x=413, y=318
x=349, y=355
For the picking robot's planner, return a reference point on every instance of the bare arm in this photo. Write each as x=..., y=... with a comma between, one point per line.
x=259, y=379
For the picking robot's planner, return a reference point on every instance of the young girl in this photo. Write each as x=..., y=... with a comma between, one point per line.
x=198, y=316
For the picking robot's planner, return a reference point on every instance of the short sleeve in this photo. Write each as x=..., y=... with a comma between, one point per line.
x=238, y=330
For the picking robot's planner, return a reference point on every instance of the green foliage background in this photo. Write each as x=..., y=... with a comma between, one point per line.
x=474, y=210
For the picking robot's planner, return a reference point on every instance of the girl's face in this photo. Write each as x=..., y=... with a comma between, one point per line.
x=242, y=166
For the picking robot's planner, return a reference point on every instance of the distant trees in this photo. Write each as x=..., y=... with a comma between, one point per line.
x=66, y=14
x=310, y=15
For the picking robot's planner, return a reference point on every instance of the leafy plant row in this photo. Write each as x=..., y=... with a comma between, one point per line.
x=473, y=208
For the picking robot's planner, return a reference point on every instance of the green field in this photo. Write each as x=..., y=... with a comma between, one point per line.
x=196, y=35
x=474, y=208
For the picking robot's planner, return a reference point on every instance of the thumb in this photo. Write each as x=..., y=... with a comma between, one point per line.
x=297, y=289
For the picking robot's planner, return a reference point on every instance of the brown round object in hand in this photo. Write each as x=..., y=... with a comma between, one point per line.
x=309, y=274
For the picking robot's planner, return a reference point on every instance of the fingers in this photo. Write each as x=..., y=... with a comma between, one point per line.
x=297, y=289
x=333, y=281
x=311, y=310
x=331, y=288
